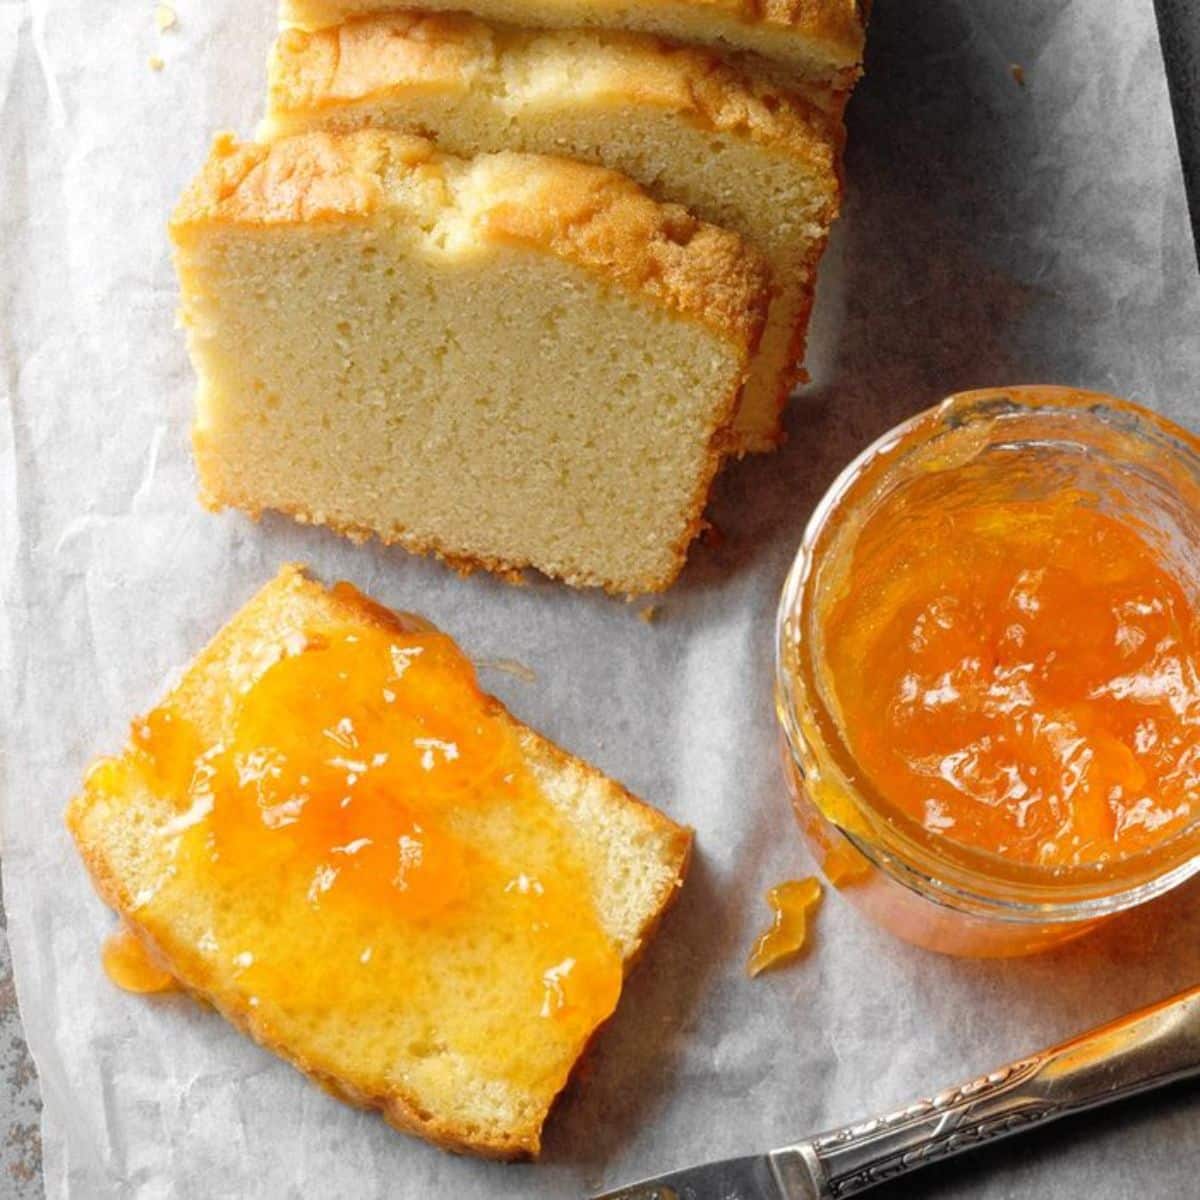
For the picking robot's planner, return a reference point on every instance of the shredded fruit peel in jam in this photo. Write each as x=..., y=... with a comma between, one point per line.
x=1020, y=676
x=792, y=903
x=368, y=788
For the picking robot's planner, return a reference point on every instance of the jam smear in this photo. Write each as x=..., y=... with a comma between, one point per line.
x=844, y=866
x=127, y=964
x=791, y=902
x=1019, y=676
x=371, y=836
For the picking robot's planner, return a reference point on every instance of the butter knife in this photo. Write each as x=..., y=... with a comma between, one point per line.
x=1146, y=1049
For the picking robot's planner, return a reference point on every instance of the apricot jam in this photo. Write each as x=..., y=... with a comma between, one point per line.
x=791, y=904
x=367, y=836
x=1019, y=675
x=843, y=866
x=988, y=670
x=128, y=965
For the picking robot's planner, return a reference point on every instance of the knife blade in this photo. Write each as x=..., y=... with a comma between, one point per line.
x=1146, y=1049
x=753, y=1177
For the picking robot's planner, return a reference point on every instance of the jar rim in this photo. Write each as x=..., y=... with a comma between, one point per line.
x=951, y=873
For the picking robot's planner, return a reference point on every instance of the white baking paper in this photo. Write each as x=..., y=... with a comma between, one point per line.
x=993, y=233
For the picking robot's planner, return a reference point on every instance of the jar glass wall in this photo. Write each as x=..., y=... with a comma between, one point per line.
x=923, y=886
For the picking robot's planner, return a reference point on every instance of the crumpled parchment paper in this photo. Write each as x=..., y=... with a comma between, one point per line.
x=994, y=232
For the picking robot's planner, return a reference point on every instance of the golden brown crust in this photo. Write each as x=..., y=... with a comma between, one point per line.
x=789, y=379
x=823, y=37
x=586, y=215
x=601, y=220
x=290, y=602
x=370, y=58
x=243, y=183
x=837, y=23
x=352, y=60
x=397, y=69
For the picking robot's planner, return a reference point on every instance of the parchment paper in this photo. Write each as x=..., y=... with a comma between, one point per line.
x=993, y=233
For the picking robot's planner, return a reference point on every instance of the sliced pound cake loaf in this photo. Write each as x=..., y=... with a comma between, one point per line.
x=730, y=147
x=508, y=361
x=817, y=40
x=434, y=926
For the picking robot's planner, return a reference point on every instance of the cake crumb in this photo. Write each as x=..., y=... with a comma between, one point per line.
x=164, y=17
x=1018, y=73
x=509, y=666
x=155, y=63
x=712, y=536
x=649, y=613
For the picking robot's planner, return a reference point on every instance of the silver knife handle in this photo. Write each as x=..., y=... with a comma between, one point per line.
x=1144, y=1050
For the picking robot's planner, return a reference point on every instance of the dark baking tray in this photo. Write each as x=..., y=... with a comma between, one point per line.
x=1179, y=32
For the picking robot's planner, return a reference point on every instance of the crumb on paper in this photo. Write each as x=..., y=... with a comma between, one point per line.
x=155, y=63
x=649, y=613
x=164, y=17
x=509, y=666
x=792, y=903
x=1018, y=73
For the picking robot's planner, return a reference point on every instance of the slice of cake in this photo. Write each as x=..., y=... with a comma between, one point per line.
x=508, y=361
x=329, y=833
x=730, y=147
x=817, y=40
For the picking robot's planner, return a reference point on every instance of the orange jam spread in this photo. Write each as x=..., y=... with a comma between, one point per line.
x=128, y=965
x=1020, y=676
x=367, y=837
x=791, y=903
x=844, y=866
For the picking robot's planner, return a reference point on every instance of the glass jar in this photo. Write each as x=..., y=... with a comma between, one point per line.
x=919, y=884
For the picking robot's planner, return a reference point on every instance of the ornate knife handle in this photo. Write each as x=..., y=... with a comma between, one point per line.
x=1147, y=1049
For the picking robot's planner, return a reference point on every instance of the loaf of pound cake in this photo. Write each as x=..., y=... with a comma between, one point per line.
x=509, y=361
x=728, y=145
x=817, y=40
x=329, y=833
